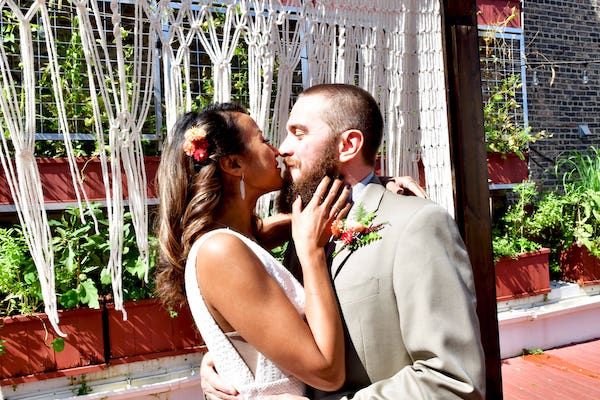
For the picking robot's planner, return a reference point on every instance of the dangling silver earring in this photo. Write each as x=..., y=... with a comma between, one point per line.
x=242, y=188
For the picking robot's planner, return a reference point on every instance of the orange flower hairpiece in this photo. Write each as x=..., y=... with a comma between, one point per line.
x=196, y=144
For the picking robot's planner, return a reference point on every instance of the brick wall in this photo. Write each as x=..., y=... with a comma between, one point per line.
x=562, y=31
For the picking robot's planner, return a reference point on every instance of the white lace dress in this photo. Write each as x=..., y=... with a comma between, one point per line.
x=252, y=375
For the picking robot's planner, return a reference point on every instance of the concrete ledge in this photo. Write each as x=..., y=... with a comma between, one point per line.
x=175, y=378
x=568, y=314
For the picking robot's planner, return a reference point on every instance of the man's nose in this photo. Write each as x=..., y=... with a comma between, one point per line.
x=285, y=149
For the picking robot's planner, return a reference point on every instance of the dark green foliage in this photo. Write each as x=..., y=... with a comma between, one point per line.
x=511, y=237
x=81, y=259
x=555, y=220
x=581, y=170
x=58, y=344
x=279, y=252
x=503, y=134
x=20, y=291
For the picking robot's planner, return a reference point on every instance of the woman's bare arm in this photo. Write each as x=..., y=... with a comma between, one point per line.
x=275, y=230
x=242, y=295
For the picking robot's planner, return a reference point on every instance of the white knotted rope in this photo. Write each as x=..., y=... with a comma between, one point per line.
x=321, y=43
x=221, y=49
x=126, y=100
x=433, y=108
x=395, y=47
x=25, y=184
x=176, y=31
x=23, y=177
x=288, y=49
x=260, y=35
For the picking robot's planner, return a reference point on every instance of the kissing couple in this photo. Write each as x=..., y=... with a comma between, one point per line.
x=384, y=310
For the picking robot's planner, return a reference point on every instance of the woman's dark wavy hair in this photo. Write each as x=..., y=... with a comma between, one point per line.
x=190, y=192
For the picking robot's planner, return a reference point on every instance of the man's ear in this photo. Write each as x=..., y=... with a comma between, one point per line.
x=230, y=165
x=351, y=143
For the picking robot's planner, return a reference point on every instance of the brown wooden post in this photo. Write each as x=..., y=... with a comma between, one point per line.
x=468, y=157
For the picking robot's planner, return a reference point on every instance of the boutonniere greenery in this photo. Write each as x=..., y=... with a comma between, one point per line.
x=358, y=231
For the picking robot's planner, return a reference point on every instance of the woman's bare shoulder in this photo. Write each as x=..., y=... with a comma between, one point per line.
x=225, y=254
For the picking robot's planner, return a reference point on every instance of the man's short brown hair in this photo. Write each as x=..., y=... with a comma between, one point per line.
x=351, y=107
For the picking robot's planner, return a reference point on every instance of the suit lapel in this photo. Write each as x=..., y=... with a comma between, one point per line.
x=370, y=199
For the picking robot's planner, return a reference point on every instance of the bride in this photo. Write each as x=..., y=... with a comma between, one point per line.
x=282, y=336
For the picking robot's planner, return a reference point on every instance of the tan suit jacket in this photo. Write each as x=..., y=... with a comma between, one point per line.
x=408, y=305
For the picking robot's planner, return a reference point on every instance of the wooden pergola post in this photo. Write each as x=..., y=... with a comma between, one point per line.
x=468, y=155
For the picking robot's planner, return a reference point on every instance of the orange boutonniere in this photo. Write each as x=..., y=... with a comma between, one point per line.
x=357, y=232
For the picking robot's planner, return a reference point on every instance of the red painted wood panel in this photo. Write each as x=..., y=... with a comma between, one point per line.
x=494, y=12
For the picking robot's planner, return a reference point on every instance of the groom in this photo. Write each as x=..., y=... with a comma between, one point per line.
x=408, y=299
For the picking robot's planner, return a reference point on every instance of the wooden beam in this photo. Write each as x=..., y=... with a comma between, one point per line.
x=468, y=155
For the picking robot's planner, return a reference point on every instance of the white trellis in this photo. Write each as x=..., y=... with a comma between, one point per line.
x=392, y=48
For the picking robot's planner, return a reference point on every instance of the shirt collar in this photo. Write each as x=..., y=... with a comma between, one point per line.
x=358, y=189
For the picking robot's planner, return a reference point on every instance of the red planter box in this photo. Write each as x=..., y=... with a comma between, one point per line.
x=150, y=329
x=58, y=186
x=527, y=275
x=506, y=168
x=28, y=346
x=578, y=265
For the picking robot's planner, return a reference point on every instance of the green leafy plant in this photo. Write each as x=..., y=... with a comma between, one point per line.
x=58, y=344
x=551, y=225
x=83, y=387
x=506, y=246
x=81, y=259
x=511, y=238
x=79, y=253
x=533, y=352
x=557, y=220
x=502, y=133
x=581, y=183
x=84, y=255
x=76, y=96
x=582, y=170
x=587, y=223
x=20, y=291
x=279, y=251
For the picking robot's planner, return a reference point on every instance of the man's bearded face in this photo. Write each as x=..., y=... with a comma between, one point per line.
x=306, y=184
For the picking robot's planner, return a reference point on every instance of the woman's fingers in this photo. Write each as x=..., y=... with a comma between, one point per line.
x=340, y=203
x=320, y=192
x=334, y=191
x=405, y=185
x=344, y=212
x=297, y=206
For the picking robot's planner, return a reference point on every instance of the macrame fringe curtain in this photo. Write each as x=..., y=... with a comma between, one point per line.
x=391, y=48
x=126, y=98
